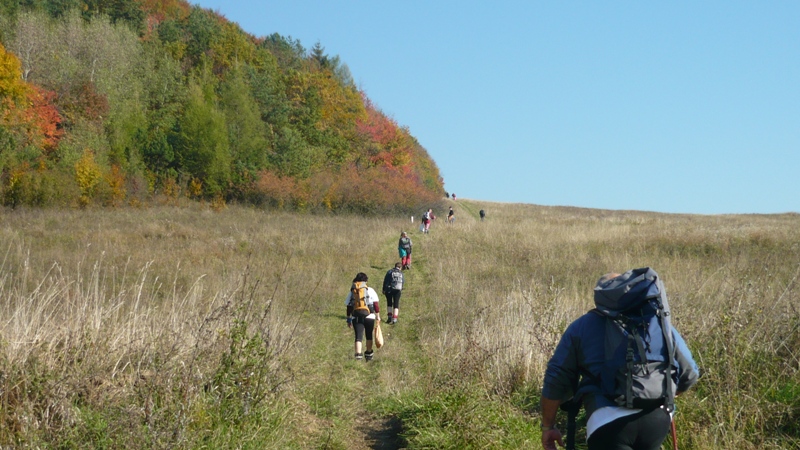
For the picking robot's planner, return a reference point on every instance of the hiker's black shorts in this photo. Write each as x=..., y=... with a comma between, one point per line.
x=362, y=325
x=393, y=299
x=641, y=431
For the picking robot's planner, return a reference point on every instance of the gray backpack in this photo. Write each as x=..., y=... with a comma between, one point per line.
x=397, y=280
x=639, y=369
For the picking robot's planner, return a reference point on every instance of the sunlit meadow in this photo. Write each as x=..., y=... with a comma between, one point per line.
x=189, y=327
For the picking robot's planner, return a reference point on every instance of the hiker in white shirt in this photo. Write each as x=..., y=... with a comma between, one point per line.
x=362, y=313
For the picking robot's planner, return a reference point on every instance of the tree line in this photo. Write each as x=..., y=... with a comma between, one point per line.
x=116, y=102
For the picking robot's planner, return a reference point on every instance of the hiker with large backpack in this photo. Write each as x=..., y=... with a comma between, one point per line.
x=363, y=312
x=404, y=249
x=392, y=289
x=624, y=362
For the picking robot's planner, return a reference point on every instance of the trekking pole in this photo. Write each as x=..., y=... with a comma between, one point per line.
x=674, y=434
x=572, y=415
x=572, y=407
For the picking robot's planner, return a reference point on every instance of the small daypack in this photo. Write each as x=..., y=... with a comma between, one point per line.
x=426, y=216
x=359, y=294
x=397, y=280
x=639, y=363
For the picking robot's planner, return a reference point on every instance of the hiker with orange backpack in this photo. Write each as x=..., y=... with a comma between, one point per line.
x=624, y=362
x=363, y=312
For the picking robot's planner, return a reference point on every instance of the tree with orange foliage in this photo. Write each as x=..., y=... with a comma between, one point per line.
x=384, y=142
x=27, y=108
x=42, y=120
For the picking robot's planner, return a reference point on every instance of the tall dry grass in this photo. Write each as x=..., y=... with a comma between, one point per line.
x=155, y=328
x=187, y=327
x=510, y=285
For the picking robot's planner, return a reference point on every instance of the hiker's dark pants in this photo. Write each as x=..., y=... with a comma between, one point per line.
x=641, y=431
x=361, y=326
x=393, y=299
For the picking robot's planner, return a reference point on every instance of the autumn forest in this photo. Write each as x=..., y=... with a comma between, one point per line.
x=126, y=102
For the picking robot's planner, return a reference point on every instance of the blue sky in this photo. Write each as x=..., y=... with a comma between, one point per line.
x=678, y=107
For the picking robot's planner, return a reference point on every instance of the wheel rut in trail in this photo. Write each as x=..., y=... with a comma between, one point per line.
x=382, y=433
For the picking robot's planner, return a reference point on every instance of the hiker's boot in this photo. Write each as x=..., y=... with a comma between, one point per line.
x=368, y=355
x=359, y=356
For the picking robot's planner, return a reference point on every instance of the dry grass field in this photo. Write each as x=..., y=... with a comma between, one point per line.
x=184, y=327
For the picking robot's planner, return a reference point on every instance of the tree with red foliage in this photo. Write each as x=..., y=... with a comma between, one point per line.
x=42, y=119
x=27, y=107
x=384, y=140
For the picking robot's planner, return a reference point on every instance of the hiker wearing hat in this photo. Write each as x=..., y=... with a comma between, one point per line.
x=362, y=313
x=392, y=289
x=624, y=362
x=404, y=249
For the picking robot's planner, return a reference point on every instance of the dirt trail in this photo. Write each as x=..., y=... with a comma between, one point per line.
x=381, y=433
x=401, y=360
x=342, y=391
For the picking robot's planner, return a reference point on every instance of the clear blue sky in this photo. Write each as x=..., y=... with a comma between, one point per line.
x=680, y=107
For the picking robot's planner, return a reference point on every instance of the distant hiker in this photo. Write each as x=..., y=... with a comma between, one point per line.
x=451, y=216
x=362, y=312
x=454, y=196
x=614, y=360
x=427, y=218
x=392, y=289
x=483, y=214
x=404, y=249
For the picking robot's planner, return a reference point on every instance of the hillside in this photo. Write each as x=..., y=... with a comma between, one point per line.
x=125, y=102
x=189, y=327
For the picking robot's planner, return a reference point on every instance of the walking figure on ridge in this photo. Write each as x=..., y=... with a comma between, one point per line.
x=427, y=218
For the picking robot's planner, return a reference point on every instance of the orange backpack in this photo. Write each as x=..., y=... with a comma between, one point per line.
x=359, y=291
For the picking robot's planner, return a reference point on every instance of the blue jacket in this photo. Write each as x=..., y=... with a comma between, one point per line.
x=576, y=366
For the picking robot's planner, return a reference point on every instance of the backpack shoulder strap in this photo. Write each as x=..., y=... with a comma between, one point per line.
x=666, y=328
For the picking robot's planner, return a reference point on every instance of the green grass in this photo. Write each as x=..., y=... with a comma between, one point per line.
x=193, y=328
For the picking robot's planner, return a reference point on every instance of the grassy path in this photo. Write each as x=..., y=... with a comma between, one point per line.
x=347, y=397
